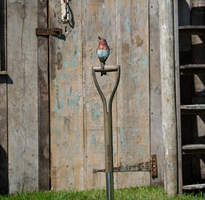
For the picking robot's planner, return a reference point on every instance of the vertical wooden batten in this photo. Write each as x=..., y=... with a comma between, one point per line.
x=3, y=104
x=22, y=51
x=178, y=100
x=156, y=139
x=43, y=99
x=166, y=23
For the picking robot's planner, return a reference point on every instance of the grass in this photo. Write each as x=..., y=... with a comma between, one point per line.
x=152, y=193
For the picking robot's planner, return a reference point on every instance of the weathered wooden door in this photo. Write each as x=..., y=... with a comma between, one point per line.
x=77, y=136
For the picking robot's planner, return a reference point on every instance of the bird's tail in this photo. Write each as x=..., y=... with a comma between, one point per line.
x=102, y=66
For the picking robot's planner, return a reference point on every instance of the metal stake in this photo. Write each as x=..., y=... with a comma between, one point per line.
x=108, y=127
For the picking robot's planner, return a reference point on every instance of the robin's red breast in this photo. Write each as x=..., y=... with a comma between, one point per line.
x=103, y=51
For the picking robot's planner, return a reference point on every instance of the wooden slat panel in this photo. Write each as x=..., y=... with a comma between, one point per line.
x=43, y=110
x=22, y=95
x=198, y=130
x=98, y=20
x=66, y=100
x=155, y=93
x=133, y=92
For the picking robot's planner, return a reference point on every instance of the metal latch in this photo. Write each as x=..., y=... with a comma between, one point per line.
x=48, y=31
x=64, y=7
x=150, y=166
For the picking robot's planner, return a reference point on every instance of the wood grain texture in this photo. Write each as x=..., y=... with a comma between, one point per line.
x=98, y=20
x=167, y=64
x=77, y=128
x=155, y=92
x=66, y=100
x=22, y=95
x=133, y=91
x=43, y=98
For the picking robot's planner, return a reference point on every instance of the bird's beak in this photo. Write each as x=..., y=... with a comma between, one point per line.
x=99, y=37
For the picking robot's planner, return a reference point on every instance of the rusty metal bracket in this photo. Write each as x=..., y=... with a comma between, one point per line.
x=48, y=31
x=150, y=166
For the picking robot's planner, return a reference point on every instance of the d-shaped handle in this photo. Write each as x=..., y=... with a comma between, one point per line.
x=107, y=68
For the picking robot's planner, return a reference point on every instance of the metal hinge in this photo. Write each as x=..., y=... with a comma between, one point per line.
x=48, y=31
x=150, y=166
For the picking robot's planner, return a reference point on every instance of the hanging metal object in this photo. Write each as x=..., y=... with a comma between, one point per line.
x=64, y=8
x=108, y=126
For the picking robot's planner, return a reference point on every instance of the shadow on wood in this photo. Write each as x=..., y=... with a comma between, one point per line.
x=3, y=171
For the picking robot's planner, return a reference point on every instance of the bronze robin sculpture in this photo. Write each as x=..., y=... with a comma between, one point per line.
x=103, y=51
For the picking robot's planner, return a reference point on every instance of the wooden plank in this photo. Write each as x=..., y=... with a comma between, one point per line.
x=3, y=136
x=155, y=93
x=3, y=73
x=167, y=64
x=43, y=101
x=193, y=66
x=99, y=19
x=192, y=30
x=193, y=147
x=193, y=109
x=194, y=187
x=66, y=100
x=177, y=89
x=22, y=95
x=133, y=105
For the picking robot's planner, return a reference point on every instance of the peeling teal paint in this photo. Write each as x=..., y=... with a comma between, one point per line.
x=87, y=2
x=128, y=25
x=75, y=55
x=143, y=61
x=120, y=4
x=59, y=101
x=103, y=14
x=72, y=101
x=92, y=139
x=75, y=35
x=94, y=113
